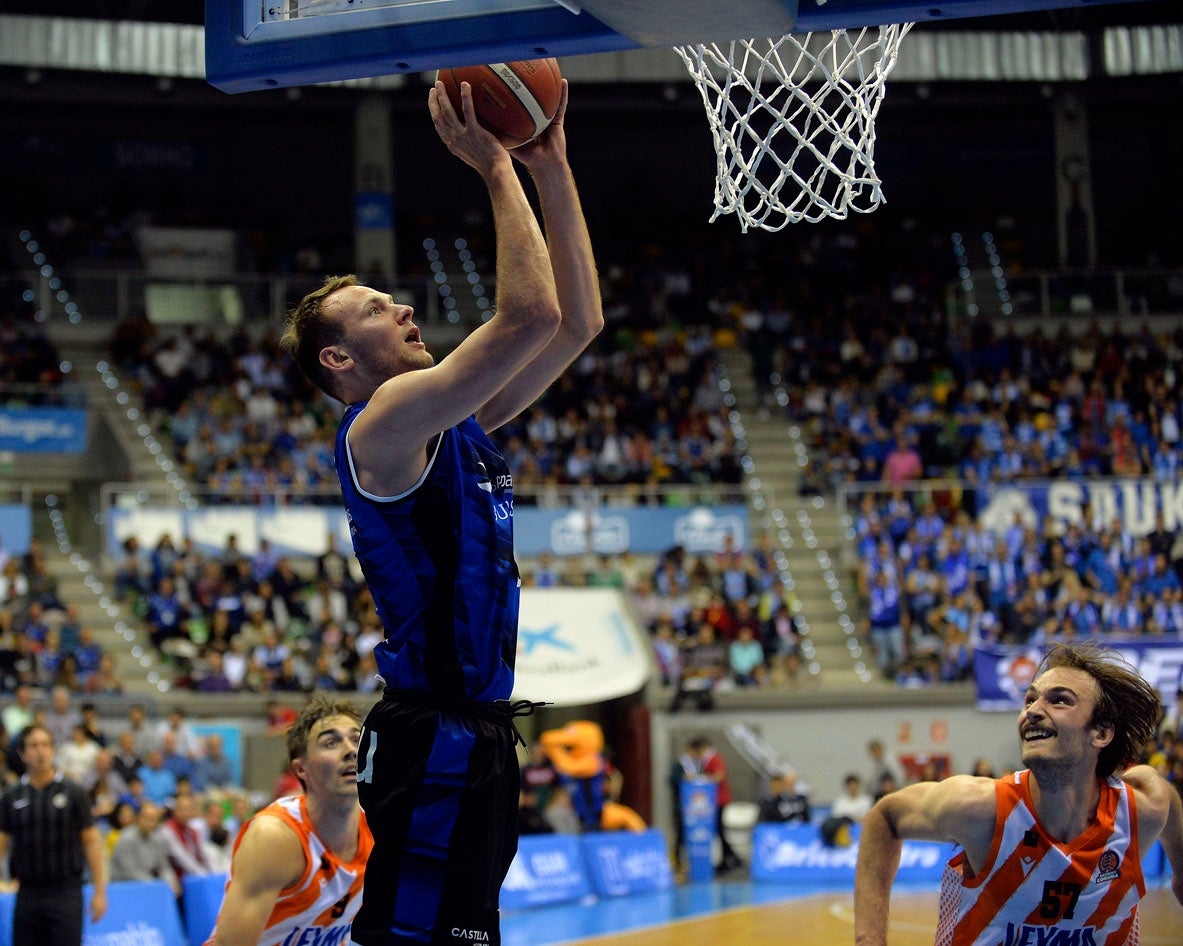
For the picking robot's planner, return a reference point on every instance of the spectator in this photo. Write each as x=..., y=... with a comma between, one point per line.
x=704, y=664
x=530, y=819
x=786, y=805
x=159, y=783
x=903, y=463
x=90, y=722
x=214, y=768
x=185, y=741
x=880, y=767
x=106, y=786
x=884, y=623
x=181, y=841
x=104, y=680
x=87, y=655
x=140, y=852
x=181, y=766
x=702, y=760
x=667, y=652
x=126, y=760
x=539, y=775
x=122, y=816
x=212, y=678
x=853, y=803
x=77, y=756
x=746, y=658
x=135, y=793
x=61, y=717
x=18, y=714
x=559, y=813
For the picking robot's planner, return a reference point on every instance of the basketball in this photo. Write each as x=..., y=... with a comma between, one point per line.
x=516, y=101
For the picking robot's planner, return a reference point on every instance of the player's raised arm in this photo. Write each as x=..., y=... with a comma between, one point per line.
x=959, y=809
x=269, y=858
x=376, y=354
x=574, y=267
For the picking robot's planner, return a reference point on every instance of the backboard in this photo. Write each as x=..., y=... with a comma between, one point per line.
x=265, y=44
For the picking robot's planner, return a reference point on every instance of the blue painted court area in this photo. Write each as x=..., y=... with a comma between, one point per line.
x=569, y=922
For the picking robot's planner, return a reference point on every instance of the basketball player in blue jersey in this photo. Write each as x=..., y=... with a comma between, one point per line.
x=430, y=505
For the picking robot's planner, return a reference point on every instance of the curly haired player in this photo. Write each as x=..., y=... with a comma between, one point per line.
x=1051, y=853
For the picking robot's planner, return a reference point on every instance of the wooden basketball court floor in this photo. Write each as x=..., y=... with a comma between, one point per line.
x=745, y=914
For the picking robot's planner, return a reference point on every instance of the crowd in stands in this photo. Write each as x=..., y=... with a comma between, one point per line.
x=897, y=396
x=256, y=623
x=30, y=365
x=43, y=640
x=887, y=389
x=167, y=800
x=264, y=623
x=936, y=583
x=716, y=621
x=640, y=408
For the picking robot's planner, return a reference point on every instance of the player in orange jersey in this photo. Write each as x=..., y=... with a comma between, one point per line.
x=1050, y=854
x=298, y=864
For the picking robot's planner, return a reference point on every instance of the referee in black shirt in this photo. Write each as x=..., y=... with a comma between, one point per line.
x=46, y=819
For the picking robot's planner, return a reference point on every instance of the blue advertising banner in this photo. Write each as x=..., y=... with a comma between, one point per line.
x=1002, y=674
x=641, y=529
x=202, y=897
x=137, y=912
x=620, y=862
x=699, y=823
x=373, y=210
x=42, y=430
x=301, y=530
x=16, y=528
x=1096, y=503
x=548, y=869
x=784, y=853
x=1154, y=863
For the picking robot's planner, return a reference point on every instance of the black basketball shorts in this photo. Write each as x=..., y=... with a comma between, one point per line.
x=440, y=793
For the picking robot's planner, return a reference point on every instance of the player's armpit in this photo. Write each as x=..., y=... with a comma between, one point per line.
x=269, y=859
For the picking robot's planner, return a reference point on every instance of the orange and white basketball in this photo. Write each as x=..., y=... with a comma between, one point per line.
x=516, y=101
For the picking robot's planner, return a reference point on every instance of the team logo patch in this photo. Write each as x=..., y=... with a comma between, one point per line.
x=1108, y=867
x=60, y=801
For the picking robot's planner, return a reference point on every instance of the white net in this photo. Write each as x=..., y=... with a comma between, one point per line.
x=793, y=121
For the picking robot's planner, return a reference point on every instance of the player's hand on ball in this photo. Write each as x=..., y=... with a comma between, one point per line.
x=462, y=134
x=551, y=145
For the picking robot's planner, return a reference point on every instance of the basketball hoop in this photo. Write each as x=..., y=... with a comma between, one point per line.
x=793, y=120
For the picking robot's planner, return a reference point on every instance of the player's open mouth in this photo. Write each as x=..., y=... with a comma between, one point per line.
x=1036, y=735
x=413, y=337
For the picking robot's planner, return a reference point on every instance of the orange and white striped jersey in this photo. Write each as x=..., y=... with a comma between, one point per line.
x=318, y=909
x=1035, y=891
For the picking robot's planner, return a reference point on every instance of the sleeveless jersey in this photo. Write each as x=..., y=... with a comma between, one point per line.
x=1035, y=891
x=319, y=907
x=439, y=563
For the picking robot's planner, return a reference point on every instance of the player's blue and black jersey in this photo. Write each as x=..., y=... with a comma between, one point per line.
x=439, y=563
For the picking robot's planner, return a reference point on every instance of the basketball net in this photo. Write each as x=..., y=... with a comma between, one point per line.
x=793, y=121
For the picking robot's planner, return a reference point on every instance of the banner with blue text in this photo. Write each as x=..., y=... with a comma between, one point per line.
x=622, y=863
x=1089, y=503
x=784, y=853
x=139, y=913
x=42, y=430
x=1002, y=674
x=547, y=869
